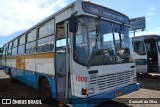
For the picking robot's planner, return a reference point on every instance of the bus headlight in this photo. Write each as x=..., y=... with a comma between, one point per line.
x=90, y=91
x=86, y=91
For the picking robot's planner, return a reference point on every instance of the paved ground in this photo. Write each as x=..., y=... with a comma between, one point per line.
x=150, y=88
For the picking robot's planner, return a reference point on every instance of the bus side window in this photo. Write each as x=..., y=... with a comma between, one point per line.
x=31, y=47
x=45, y=44
x=139, y=47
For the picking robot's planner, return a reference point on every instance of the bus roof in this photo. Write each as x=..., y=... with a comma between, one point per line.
x=147, y=36
x=61, y=11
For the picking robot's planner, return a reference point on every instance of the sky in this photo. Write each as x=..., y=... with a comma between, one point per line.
x=16, y=16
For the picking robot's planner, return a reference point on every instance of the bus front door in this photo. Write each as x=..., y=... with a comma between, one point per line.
x=140, y=56
x=152, y=55
x=62, y=60
x=158, y=44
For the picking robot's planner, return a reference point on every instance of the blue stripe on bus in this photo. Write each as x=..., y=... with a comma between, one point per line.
x=101, y=98
x=31, y=78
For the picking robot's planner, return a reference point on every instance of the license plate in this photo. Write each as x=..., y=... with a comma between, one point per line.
x=119, y=93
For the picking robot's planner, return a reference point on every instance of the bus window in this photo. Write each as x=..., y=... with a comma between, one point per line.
x=5, y=49
x=109, y=48
x=14, y=51
x=22, y=40
x=31, y=47
x=15, y=43
x=81, y=45
x=45, y=44
x=61, y=45
x=10, y=45
x=47, y=29
x=31, y=36
x=139, y=47
x=21, y=49
x=148, y=47
x=9, y=51
x=60, y=39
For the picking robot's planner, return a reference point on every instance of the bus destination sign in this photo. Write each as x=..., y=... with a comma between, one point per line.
x=104, y=12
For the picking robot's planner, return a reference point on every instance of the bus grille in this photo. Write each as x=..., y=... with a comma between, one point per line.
x=110, y=81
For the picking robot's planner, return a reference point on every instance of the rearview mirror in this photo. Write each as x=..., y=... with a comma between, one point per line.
x=73, y=24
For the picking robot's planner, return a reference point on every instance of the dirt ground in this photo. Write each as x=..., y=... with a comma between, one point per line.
x=150, y=88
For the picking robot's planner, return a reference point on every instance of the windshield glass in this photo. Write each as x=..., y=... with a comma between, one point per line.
x=98, y=42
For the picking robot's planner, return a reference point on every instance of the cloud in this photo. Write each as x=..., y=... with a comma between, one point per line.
x=148, y=20
x=150, y=14
x=152, y=8
x=157, y=29
x=16, y=15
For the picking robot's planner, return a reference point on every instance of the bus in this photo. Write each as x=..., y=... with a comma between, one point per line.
x=147, y=53
x=0, y=60
x=68, y=57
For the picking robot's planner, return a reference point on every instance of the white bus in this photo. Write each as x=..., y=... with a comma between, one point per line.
x=64, y=55
x=0, y=60
x=147, y=53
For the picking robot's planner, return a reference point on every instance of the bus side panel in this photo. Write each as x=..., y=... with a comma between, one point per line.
x=30, y=68
x=45, y=67
x=45, y=63
x=18, y=74
x=14, y=72
x=31, y=79
x=52, y=82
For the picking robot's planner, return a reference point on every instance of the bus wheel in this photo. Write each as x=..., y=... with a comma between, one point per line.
x=46, y=89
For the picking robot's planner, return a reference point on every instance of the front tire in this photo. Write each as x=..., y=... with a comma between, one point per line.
x=46, y=89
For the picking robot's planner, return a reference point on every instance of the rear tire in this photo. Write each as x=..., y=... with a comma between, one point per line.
x=46, y=89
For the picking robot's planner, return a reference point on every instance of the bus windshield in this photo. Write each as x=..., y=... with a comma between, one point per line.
x=100, y=42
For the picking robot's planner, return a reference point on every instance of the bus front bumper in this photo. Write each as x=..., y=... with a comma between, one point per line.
x=100, y=98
